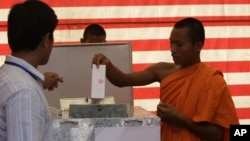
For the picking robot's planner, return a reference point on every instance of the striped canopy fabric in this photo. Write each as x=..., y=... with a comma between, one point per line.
x=147, y=25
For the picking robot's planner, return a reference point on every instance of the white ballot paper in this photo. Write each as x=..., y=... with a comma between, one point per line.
x=98, y=81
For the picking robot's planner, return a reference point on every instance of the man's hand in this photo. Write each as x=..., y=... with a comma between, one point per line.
x=51, y=80
x=170, y=115
x=100, y=59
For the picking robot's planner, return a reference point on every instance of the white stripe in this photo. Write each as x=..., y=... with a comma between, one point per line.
x=2, y=59
x=206, y=56
x=242, y=78
x=4, y=14
x=152, y=11
x=151, y=104
x=145, y=33
x=148, y=104
x=152, y=85
x=245, y=121
x=146, y=11
x=242, y=101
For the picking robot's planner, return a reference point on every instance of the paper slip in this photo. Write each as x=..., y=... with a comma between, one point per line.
x=98, y=81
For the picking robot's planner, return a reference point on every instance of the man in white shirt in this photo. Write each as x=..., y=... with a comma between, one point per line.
x=24, y=112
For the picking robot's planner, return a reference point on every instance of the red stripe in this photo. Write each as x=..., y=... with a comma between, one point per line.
x=4, y=49
x=243, y=113
x=8, y=3
x=146, y=93
x=240, y=90
x=163, y=44
x=232, y=66
x=226, y=43
x=81, y=24
x=148, y=22
x=63, y=3
x=159, y=21
x=152, y=93
x=210, y=43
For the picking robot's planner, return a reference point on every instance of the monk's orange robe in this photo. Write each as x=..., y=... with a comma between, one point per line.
x=201, y=94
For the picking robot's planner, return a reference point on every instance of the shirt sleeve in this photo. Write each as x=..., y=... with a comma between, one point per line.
x=25, y=116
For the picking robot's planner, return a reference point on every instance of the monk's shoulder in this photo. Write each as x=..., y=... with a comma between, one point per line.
x=162, y=66
x=167, y=66
x=163, y=69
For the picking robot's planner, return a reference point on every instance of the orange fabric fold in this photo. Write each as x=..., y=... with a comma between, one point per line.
x=201, y=94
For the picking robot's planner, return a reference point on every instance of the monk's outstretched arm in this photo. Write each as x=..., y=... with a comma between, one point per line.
x=122, y=79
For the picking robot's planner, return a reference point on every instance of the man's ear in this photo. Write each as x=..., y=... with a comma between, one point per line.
x=198, y=46
x=46, y=41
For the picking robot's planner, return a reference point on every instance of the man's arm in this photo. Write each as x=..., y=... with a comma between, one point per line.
x=204, y=130
x=121, y=79
x=51, y=80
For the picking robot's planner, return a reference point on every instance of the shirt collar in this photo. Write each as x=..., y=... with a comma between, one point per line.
x=26, y=65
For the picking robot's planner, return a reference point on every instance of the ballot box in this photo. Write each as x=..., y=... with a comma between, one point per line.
x=78, y=117
x=73, y=62
x=141, y=126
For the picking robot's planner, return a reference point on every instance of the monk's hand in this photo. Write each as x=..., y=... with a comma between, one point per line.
x=100, y=59
x=51, y=80
x=169, y=114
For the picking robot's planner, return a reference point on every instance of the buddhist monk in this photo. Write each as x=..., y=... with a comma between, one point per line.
x=195, y=101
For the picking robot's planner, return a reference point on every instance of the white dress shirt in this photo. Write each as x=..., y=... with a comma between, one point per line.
x=24, y=112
